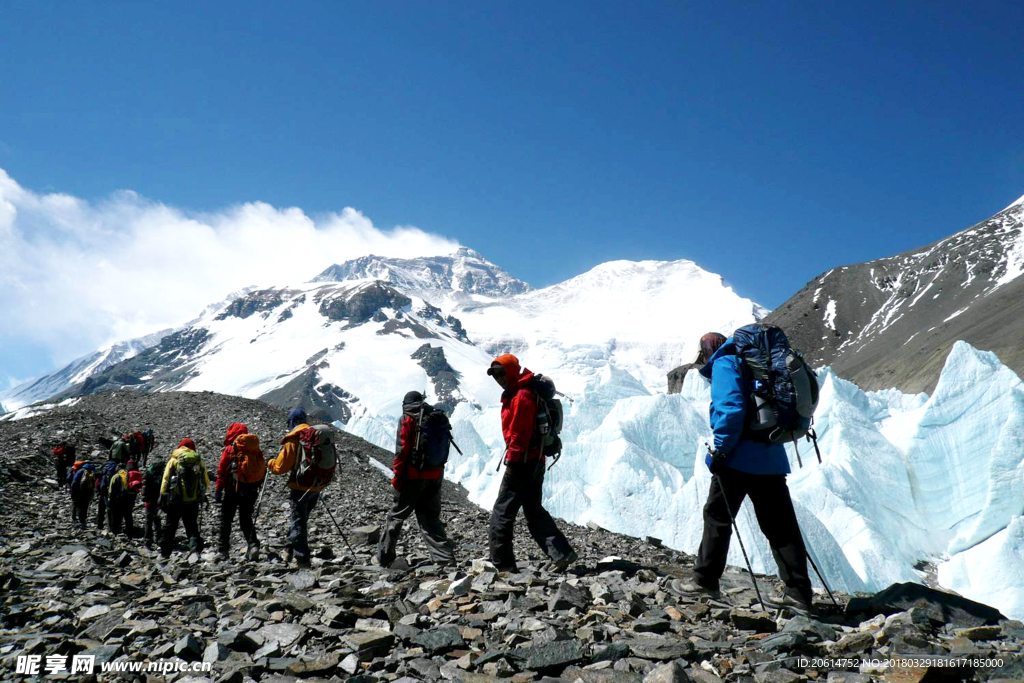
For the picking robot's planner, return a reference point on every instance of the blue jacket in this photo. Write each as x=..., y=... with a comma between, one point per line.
x=729, y=389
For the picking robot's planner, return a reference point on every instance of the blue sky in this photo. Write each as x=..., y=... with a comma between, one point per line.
x=767, y=143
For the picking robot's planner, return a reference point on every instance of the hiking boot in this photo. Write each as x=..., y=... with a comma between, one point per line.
x=793, y=599
x=303, y=562
x=288, y=555
x=562, y=563
x=684, y=587
x=508, y=568
x=253, y=551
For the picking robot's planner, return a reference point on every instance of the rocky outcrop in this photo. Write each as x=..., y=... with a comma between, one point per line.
x=322, y=401
x=359, y=306
x=262, y=301
x=678, y=376
x=618, y=615
x=443, y=376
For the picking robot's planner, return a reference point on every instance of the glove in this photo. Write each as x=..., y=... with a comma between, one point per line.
x=717, y=461
x=219, y=496
x=147, y=505
x=396, y=484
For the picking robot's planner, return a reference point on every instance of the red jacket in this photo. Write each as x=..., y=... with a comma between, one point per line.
x=404, y=445
x=518, y=410
x=224, y=466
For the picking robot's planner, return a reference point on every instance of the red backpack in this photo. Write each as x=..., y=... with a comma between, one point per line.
x=317, y=461
x=135, y=481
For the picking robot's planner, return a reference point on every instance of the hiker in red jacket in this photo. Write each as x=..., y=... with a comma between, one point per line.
x=240, y=474
x=416, y=490
x=523, y=483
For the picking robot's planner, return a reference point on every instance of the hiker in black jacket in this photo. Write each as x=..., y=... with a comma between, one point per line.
x=151, y=499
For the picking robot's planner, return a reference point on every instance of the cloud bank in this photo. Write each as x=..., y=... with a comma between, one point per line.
x=77, y=275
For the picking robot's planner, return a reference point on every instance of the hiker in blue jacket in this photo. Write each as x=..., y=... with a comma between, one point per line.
x=742, y=466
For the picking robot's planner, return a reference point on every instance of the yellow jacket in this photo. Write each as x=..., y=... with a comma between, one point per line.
x=165, y=484
x=286, y=460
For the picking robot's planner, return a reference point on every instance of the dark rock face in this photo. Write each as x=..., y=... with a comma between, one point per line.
x=612, y=617
x=322, y=401
x=444, y=377
x=678, y=376
x=359, y=306
x=891, y=322
x=939, y=607
x=165, y=365
x=262, y=301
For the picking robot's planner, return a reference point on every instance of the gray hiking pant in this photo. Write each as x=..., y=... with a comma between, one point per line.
x=422, y=496
x=301, y=503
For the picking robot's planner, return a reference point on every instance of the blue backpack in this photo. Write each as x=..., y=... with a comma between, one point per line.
x=783, y=388
x=106, y=474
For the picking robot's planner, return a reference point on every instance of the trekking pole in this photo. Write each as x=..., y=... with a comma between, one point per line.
x=813, y=438
x=797, y=449
x=459, y=450
x=259, y=499
x=739, y=538
x=343, y=537
x=810, y=558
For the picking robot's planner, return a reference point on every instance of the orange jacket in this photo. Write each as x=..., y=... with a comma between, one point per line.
x=287, y=459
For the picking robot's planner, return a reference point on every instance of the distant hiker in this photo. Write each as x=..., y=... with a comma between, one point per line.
x=523, y=483
x=183, y=489
x=125, y=487
x=706, y=348
x=83, y=487
x=418, y=472
x=63, y=456
x=154, y=474
x=240, y=473
x=103, y=478
x=148, y=441
x=304, y=482
x=121, y=449
x=742, y=465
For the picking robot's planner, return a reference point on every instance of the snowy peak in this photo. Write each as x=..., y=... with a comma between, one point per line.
x=891, y=322
x=461, y=272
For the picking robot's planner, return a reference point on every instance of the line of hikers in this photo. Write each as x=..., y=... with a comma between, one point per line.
x=178, y=487
x=763, y=395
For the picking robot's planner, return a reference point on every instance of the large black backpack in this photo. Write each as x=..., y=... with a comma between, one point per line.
x=783, y=393
x=547, y=421
x=433, y=438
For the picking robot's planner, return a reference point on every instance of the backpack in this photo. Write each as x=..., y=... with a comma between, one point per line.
x=316, y=463
x=110, y=469
x=433, y=438
x=84, y=479
x=69, y=452
x=120, y=451
x=783, y=389
x=547, y=420
x=58, y=453
x=136, y=444
x=247, y=463
x=186, y=485
x=134, y=481
x=152, y=479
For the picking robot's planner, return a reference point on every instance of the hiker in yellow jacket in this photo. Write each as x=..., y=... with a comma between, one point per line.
x=182, y=501
x=301, y=499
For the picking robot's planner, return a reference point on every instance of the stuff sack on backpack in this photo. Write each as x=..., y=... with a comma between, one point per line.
x=186, y=485
x=247, y=465
x=318, y=459
x=547, y=421
x=134, y=482
x=783, y=388
x=434, y=439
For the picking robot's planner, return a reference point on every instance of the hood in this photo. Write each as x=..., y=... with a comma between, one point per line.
x=726, y=349
x=514, y=373
x=234, y=431
x=187, y=443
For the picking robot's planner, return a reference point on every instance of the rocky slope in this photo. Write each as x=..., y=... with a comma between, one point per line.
x=616, y=616
x=891, y=322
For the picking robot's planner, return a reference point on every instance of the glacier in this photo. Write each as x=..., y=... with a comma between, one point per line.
x=905, y=479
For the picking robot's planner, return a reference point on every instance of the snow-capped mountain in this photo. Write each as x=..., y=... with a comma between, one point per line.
x=892, y=322
x=457, y=276
x=77, y=371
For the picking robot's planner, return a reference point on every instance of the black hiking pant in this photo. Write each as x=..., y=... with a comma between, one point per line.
x=301, y=503
x=422, y=496
x=80, y=509
x=101, y=510
x=152, y=523
x=773, y=507
x=242, y=501
x=188, y=514
x=121, y=515
x=522, y=487
x=62, y=475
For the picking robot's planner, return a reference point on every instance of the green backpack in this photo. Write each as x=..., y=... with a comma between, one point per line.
x=186, y=484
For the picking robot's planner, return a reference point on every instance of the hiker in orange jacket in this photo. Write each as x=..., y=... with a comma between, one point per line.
x=301, y=499
x=523, y=483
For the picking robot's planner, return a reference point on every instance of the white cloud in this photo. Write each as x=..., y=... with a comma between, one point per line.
x=76, y=275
